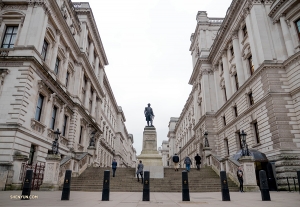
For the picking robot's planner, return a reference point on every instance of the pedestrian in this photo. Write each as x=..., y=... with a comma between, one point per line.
x=198, y=161
x=240, y=174
x=139, y=171
x=187, y=162
x=114, y=167
x=176, y=161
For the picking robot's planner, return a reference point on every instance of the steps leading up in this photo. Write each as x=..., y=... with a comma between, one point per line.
x=205, y=180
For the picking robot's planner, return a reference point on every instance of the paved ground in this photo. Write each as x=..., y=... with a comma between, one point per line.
x=133, y=199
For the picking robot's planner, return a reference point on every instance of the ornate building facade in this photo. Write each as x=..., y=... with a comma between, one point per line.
x=52, y=76
x=245, y=77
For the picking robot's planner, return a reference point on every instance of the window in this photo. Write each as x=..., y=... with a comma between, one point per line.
x=251, y=66
x=225, y=95
x=298, y=27
x=235, y=111
x=10, y=37
x=64, y=128
x=53, y=117
x=56, y=66
x=39, y=107
x=231, y=52
x=67, y=79
x=44, y=50
x=224, y=120
x=222, y=69
x=236, y=81
x=226, y=146
x=256, y=132
x=251, y=101
x=80, y=134
x=245, y=32
x=31, y=155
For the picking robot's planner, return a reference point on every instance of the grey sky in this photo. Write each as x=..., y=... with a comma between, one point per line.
x=147, y=45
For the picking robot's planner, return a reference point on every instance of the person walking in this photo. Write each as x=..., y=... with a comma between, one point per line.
x=114, y=167
x=176, y=161
x=139, y=171
x=187, y=162
x=240, y=174
x=198, y=161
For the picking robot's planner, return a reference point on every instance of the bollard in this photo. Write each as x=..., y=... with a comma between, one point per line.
x=264, y=188
x=146, y=186
x=185, y=186
x=105, y=190
x=65, y=195
x=224, y=186
x=298, y=175
x=27, y=185
x=295, y=185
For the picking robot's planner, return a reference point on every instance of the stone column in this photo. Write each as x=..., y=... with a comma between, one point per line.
x=247, y=163
x=101, y=75
x=206, y=91
x=97, y=67
x=94, y=103
x=226, y=75
x=83, y=37
x=55, y=50
x=51, y=177
x=286, y=36
x=91, y=53
x=206, y=152
x=238, y=59
x=64, y=69
x=87, y=94
x=217, y=86
x=77, y=86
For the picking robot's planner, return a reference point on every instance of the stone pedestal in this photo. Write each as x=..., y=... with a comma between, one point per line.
x=206, y=152
x=250, y=183
x=150, y=157
x=50, y=182
x=91, y=150
x=17, y=164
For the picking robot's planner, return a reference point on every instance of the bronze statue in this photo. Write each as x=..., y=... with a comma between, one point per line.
x=149, y=115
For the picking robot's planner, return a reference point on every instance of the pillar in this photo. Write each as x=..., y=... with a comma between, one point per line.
x=51, y=178
x=247, y=163
x=238, y=59
x=94, y=103
x=226, y=75
x=286, y=36
x=55, y=51
x=97, y=67
x=217, y=86
x=87, y=94
x=91, y=53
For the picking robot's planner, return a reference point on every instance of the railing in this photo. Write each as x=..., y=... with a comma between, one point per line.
x=215, y=163
x=38, y=174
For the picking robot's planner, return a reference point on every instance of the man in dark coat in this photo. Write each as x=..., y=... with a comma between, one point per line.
x=114, y=167
x=198, y=161
x=140, y=170
x=176, y=161
x=149, y=115
x=240, y=174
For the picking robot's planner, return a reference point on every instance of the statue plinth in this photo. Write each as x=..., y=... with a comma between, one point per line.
x=150, y=157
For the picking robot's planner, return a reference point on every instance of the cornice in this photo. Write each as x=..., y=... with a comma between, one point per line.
x=110, y=93
x=196, y=70
x=275, y=7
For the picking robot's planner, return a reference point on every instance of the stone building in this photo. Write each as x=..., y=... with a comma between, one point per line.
x=245, y=76
x=52, y=76
x=164, y=152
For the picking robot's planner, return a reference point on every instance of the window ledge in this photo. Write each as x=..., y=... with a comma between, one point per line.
x=256, y=145
x=37, y=126
x=50, y=133
x=63, y=140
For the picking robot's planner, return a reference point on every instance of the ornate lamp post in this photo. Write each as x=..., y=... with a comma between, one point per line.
x=245, y=150
x=55, y=143
x=179, y=156
x=206, y=144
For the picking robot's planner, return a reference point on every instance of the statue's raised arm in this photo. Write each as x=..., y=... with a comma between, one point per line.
x=149, y=115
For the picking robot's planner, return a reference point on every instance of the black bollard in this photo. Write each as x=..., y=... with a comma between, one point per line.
x=146, y=186
x=185, y=186
x=264, y=188
x=105, y=191
x=224, y=186
x=27, y=185
x=287, y=180
x=295, y=185
x=298, y=175
x=65, y=195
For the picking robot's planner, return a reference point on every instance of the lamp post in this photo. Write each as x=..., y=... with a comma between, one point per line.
x=206, y=144
x=55, y=143
x=179, y=156
x=245, y=150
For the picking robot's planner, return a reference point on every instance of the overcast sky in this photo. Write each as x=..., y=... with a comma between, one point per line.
x=147, y=46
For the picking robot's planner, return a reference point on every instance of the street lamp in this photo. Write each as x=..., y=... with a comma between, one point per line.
x=179, y=156
x=55, y=143
x=206, y=144
x=245, y=150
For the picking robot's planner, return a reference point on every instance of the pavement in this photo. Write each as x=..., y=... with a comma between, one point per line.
x=134, y=199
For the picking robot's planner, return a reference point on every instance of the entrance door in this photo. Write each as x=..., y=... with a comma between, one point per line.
x=267, y=167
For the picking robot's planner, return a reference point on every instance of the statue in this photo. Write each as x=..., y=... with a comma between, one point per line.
x=149, y=115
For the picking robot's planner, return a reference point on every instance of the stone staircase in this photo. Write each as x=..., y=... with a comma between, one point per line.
x=205, y=180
